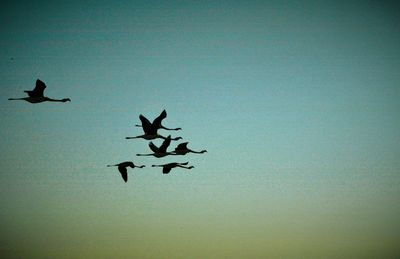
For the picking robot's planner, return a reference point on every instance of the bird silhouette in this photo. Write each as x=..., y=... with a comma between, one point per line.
x=167, y=167
x=182, y=149
x=122, y=168
x=37, y=95
x=159, y=151
x=150, y=130
x=157, y=122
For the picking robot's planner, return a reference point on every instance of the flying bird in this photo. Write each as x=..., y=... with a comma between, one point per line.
x=37, y=95
x=167, y=167
x=150, y=130
x=157, y=122
x=122, y=168
x=182, y=149
x=159, y=151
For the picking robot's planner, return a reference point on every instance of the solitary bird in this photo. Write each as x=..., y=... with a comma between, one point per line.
x=157, y=122
x=150, y=130
x=159, y=151
x=182, y=149
x=36, y=95
x=167, y=167
x=122, y=168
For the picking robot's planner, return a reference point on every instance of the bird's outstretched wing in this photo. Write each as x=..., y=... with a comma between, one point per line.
x=124, y=172
x=181, y=146
x=165, y=144
x=38, y=91
x=166, y=169
x=145, y=124
x=153, y=147
x=157, y=121
x=126, y=164
x=39, y=88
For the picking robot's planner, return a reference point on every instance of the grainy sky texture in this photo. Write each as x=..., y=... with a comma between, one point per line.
x=297, y=103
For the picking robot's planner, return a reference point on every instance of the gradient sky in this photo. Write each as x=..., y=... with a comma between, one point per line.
x=297, y=103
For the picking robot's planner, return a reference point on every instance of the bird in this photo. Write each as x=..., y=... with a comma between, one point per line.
x=150, y=131
x=37, y=95
x=122, y=168
x=159, y=151
x=157, y=122
x=167, y=167
x=182, y=149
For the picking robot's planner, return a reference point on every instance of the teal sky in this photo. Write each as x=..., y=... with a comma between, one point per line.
x=297, y=103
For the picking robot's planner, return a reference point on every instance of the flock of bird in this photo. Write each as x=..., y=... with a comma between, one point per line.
x=150, y=132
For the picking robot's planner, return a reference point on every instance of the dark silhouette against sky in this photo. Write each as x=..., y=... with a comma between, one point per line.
x=122, y=168
x=182, y=149
x=157, y=122
x=37, y=95
x=296, y=102
x=151, y=129
x=167, y=167
x=160, y=151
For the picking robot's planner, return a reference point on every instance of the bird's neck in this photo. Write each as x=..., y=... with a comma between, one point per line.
x=198, y=152
x=55, y=100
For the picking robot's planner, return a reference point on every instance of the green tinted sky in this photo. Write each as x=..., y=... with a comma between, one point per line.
x=297, y=103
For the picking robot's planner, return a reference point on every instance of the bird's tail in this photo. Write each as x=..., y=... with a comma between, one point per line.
x=111, y=165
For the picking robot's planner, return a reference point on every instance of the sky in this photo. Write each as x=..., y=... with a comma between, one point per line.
x=296, y=102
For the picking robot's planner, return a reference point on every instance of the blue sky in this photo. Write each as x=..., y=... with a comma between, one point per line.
x=296, y=103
